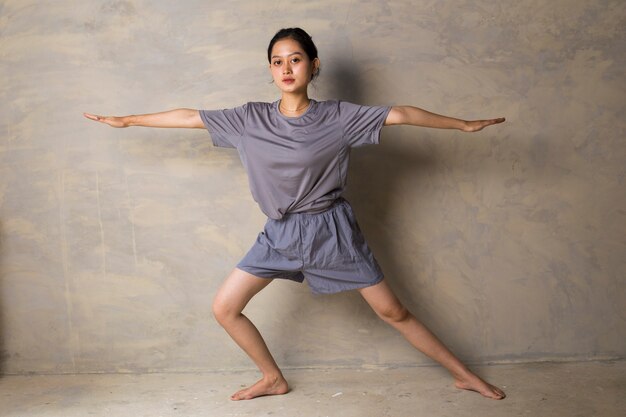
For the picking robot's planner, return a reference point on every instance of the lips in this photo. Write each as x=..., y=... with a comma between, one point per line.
x=288, y=80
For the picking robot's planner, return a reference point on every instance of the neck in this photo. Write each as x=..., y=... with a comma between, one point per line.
x=294, y=104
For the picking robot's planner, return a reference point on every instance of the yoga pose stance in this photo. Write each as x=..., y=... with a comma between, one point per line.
x=295, y=151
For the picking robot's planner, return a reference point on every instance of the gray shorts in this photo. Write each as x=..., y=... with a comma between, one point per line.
x=327, y=249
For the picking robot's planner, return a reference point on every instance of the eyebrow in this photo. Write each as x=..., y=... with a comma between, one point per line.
x=293, y=53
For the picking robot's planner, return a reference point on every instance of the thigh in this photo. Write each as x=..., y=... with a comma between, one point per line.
x=381, y=298
x=238, y=288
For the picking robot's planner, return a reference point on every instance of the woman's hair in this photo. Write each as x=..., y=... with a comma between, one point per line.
x=300, y=36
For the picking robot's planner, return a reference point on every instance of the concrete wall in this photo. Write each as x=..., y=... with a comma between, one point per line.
x=509, y=243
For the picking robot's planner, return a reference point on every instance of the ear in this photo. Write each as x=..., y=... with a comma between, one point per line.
x=316, y=65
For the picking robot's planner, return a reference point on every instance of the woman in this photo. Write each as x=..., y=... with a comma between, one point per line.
x=296, y=151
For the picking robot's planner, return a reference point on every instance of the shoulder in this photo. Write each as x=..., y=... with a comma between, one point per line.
x=329, y=106
x=344, y=106
x=328, y=103
x=258, y=105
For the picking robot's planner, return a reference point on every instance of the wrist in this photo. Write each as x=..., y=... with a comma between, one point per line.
x=129, y=120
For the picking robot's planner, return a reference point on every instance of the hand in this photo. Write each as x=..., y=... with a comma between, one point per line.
x=476, y=125
x=110, y=120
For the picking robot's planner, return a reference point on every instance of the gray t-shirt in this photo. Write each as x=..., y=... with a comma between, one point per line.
x=295, y=164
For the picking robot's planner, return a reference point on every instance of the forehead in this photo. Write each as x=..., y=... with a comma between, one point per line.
x=285, y=47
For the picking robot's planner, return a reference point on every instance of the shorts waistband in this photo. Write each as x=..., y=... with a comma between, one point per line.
x=338, y=202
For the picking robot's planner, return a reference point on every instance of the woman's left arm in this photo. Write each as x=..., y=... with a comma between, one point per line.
x=414, y=116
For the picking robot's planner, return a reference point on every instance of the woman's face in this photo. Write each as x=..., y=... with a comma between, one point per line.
x=291, y=67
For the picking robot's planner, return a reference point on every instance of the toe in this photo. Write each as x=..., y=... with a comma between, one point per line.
x=498, y=394
x=236, y=396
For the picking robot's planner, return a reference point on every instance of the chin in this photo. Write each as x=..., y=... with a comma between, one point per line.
x=291, y=90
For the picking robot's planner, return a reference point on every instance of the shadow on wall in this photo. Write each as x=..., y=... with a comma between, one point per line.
x=347, y=84
x=373, y=176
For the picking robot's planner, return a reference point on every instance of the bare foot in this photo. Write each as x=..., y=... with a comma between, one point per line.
x=265, y=386
x=474, y=383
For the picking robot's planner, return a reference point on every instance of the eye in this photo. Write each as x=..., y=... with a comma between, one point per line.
x=276, y=62
x=295, y=60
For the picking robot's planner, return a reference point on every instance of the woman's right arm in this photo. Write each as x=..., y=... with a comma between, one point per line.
x=189, y=118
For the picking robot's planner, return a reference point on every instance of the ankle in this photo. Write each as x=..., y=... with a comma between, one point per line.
x=273, y=377
x=462, y=374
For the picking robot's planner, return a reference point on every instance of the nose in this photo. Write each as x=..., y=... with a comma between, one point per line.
x=286, y=68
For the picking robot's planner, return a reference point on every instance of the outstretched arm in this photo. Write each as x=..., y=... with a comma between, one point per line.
x=409, y=115
x=188, y=118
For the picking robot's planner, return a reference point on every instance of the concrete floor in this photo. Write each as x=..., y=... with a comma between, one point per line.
x=581, y=389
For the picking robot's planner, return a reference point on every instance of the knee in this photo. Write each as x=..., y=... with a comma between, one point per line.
x=395, y=313
x=223, y=311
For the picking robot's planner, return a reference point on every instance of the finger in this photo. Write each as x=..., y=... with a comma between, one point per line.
x=478, y=125
x=492, y=122
x=94, y=117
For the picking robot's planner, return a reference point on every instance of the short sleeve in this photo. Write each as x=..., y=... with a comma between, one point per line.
x=362, y=124
x=226, y=126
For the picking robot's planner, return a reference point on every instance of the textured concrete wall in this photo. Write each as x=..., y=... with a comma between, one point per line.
x=509, y=243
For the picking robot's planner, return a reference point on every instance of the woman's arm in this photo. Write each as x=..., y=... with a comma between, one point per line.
x=188, y=118
x=409, y=115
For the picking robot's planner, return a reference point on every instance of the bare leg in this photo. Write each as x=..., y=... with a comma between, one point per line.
x=388, y=307
x=236, y=291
